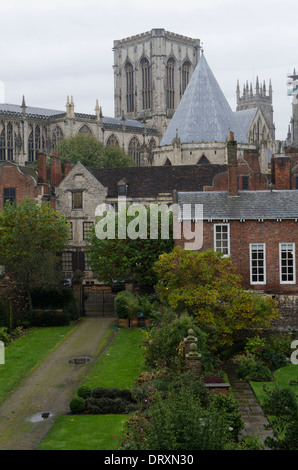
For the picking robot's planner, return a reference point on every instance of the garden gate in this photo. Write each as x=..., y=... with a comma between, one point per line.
x=98, y=301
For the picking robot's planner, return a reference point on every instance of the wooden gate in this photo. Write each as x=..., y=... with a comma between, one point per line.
x=98, y=300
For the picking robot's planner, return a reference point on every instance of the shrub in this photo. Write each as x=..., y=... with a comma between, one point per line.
x=50, y=318
x=126, y=305
x=57, y=299
x=178, y=422
x=165, y=339
x=249, y=368
x=146, y=307
x=274, y=359
x=100, y=392
x=84, y=391
x=77, y=405
x=107, y=405
x=4, y=335
x=230, y=408
x=280, y=402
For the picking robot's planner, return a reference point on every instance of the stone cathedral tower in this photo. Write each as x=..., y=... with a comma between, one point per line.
x=259, y=98
x=151, y=72
x=293, y=91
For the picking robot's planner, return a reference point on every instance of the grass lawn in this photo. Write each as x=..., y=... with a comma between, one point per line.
x=86, y=432
x=118, y=366
x=121, y=362
x=282, y=377
x=26, y=352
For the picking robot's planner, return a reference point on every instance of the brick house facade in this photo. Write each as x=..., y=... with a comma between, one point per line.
x=18, y=182
x=258, y=229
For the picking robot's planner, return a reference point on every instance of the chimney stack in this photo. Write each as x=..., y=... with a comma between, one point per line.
x=232, y=165
x=41, y=168
x=56, y=172
x=67, y=166
x=282, y=173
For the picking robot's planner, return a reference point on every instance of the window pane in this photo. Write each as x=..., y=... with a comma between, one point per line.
x=257, y=263
x=222, y=239
x=287, y=262
x=77, y=200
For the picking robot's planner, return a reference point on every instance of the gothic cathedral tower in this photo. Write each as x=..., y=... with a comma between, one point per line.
x=258, y=99
x=293, y=91
x=151, y=72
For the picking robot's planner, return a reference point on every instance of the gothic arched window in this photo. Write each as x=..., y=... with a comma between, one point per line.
x=152, y=144
x=9, y=143
x=85, y=130
x=171, y=84
x=112, y=141
x=57, y=136
x=134, y=150
x=146, y=84
x=129, y=87
x=2, y=144
x=185, y=75
x=35, y=143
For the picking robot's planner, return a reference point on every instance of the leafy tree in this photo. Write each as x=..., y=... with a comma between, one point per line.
x=128, y=258
x=90, y=152
x=204, y=284
x=31, y=236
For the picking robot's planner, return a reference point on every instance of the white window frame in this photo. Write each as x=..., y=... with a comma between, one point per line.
x=216, y=249
x=292, y=245
x=252, y=282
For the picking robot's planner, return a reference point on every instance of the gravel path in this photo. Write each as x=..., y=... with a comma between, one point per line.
x=48, y=388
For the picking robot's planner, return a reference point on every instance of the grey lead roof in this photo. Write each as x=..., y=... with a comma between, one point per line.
x=245, y=117
x=246, y=205
x=6, y=108
x=14, y=108
x=203, y=114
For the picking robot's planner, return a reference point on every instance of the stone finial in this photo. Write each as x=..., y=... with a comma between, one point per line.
x=190, y=336
x=193, y=351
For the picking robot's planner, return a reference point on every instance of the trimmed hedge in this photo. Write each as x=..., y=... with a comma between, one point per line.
x=103, y=401
x=50, y=318
x=55, y=307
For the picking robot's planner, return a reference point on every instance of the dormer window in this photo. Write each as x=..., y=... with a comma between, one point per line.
x=122, y=188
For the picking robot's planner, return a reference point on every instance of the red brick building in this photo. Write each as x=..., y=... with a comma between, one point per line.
x=258, y=229
x=18, y=182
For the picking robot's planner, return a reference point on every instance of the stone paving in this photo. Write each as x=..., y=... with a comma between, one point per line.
x=48, y=388
x=252, y=414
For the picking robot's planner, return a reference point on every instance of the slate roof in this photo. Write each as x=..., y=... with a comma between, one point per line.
x=6, y=108
x=245, y=117
x=43, y=113
x=150, y=181
x=203, y=114
x=247, y=205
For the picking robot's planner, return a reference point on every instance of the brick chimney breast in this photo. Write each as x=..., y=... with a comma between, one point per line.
x=232, y=165
x=282, y=173
x=56, y=172
x=41, y=168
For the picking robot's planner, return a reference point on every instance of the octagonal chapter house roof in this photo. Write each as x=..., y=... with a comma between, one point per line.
x=203, y=114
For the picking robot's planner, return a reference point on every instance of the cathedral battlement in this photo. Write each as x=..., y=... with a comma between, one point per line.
x=157, y=32
x=249, y=98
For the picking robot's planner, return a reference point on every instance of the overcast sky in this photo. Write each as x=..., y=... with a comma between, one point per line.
x=64, y=47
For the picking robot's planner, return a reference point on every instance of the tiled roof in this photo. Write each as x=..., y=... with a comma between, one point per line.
x=246, y=205
x=151, y=181
x=203, y=114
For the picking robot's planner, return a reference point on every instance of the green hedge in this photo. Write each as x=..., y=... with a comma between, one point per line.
x=50, y=318
x=54, y=307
